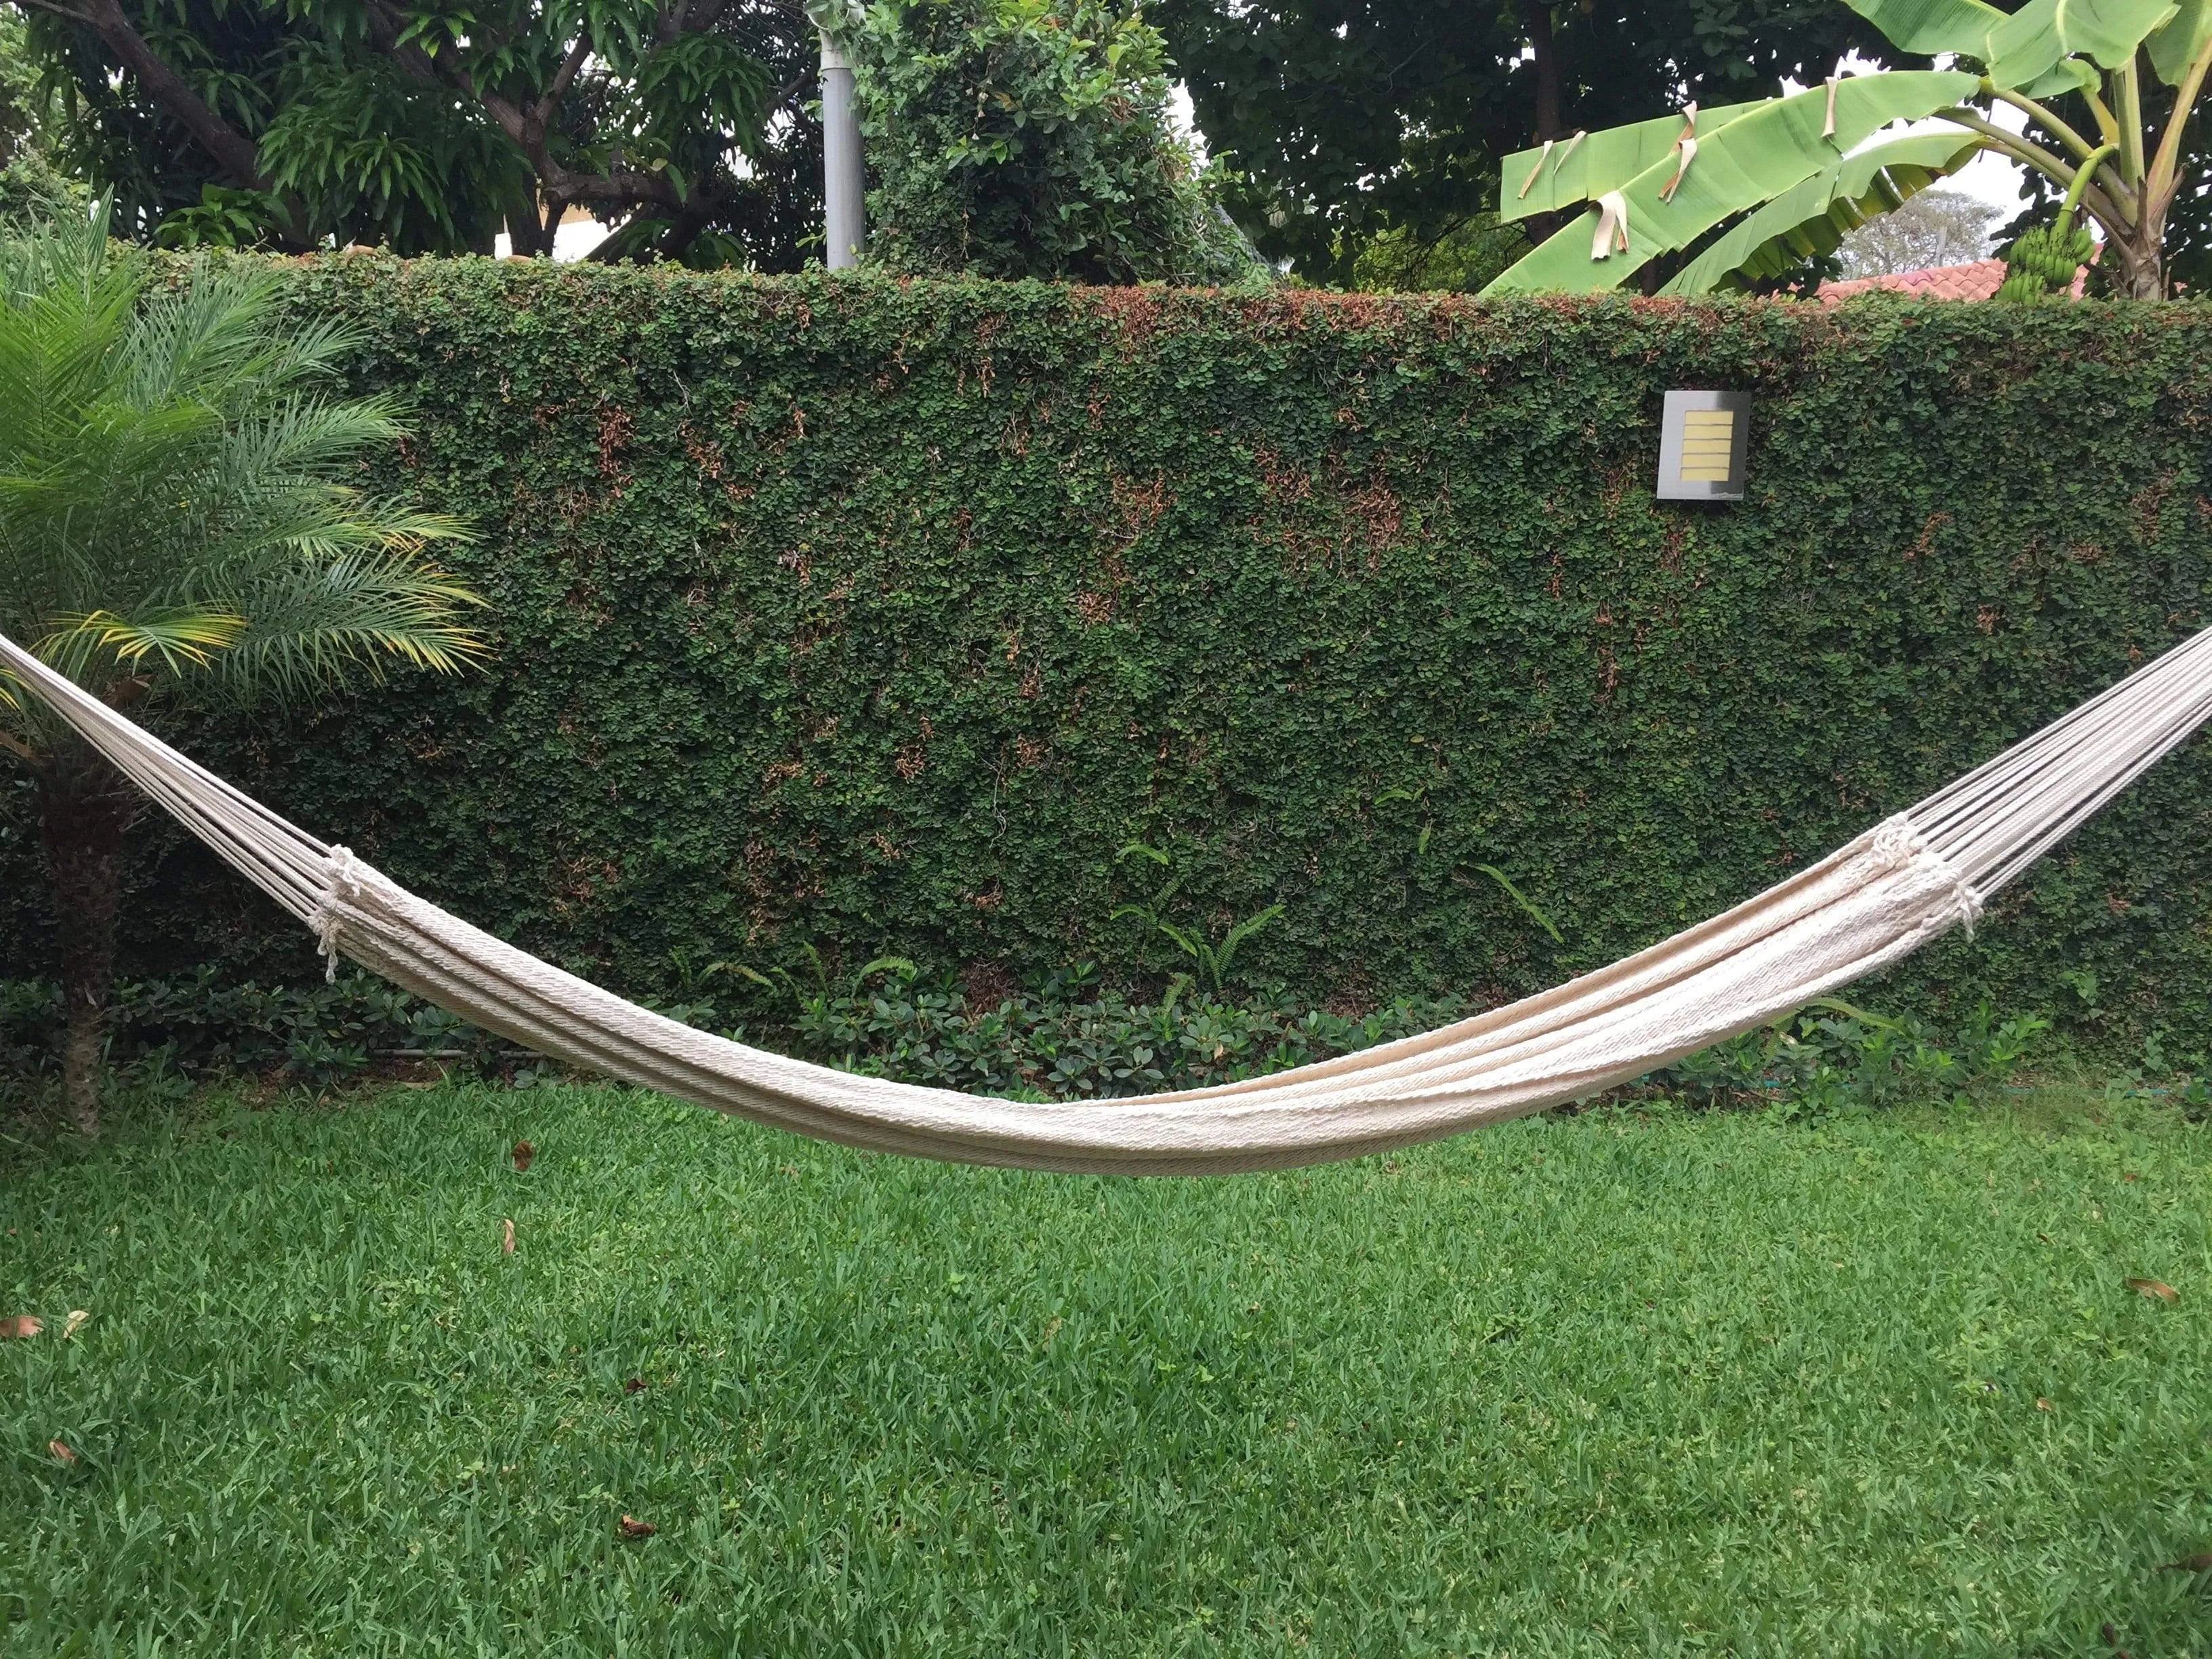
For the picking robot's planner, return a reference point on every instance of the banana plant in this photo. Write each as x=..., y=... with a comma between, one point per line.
x=1788, y=176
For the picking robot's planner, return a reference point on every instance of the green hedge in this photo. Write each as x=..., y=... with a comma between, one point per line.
x=879, y=617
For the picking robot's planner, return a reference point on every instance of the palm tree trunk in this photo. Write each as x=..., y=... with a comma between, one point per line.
x=85, y=810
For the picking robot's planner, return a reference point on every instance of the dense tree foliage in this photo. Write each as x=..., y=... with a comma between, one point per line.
x=1456, y=256
x=1032, y=139
x=431, y=126
x=1355, y=119
x=30, y=183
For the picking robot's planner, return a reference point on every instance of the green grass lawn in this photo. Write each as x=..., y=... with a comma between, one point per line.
x=1589, y=1384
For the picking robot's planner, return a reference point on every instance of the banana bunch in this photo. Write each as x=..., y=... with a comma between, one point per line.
x=2044, y=260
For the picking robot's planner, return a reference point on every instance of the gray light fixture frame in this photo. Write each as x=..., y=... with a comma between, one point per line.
x=1673, y=487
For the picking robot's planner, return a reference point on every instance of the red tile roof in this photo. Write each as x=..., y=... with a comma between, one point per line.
x=1978, y=281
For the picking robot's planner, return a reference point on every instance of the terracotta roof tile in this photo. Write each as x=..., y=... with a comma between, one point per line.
x=1976, y=281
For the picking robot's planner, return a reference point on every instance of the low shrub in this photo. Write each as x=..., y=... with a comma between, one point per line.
x=1069, y=1040
x=202, y=1026
x=1066, y=1036
x=1832, y=1056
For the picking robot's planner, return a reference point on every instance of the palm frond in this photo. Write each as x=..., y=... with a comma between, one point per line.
x=323, y=623
x=186, y=637
x=270, y=538
x=212, y=338
x=176, y=482
x=303, y=436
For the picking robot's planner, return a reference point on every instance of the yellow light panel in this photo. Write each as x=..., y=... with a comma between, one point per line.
x=1708, y=440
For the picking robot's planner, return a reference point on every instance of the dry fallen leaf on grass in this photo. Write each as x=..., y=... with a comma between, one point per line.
x=507, y=1238
x=635, y=1385
x=61, y=1451
x=77, y=1317
x=2157, y=1287
x=523, y=1151
x=2200, y=1562
x=21, y=1325
x=630, y=1526
x=2041, y=1404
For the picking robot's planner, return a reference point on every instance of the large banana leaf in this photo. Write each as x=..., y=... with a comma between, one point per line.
x=2067, y=74
x=1600, y=161
x=2176, y=47
x=1814, y=214
x=2025, y=47
x=1928, y=26
x=1743, y=166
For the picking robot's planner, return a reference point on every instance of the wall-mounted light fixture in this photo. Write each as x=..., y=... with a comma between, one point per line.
x=1701, y=446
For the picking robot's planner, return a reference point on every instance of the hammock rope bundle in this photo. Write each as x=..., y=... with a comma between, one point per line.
x=1870, y=903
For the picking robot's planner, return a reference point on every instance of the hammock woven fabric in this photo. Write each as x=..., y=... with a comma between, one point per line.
x=1868, y=903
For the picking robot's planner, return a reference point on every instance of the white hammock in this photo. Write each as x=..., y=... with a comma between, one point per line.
x=1864, y=906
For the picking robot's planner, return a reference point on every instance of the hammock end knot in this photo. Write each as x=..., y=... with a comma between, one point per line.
x=341, y=879
x=1897, y=844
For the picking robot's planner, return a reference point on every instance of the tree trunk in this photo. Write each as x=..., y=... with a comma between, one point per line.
x=231, y=150
x=85, y=809
x=1551, y=110
x=1543, y=46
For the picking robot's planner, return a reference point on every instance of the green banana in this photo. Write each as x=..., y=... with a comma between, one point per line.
x=2043, y=261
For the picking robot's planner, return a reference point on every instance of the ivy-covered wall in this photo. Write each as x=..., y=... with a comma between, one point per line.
x=880, y=618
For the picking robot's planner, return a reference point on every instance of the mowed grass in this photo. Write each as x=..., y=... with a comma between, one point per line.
x=1593, y=1384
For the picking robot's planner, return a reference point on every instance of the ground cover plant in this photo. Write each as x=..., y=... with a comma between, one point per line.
x=1064, y=1037
x=1638, y=1380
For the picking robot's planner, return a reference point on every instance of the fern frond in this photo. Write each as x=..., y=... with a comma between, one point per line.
x=1527, y=905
